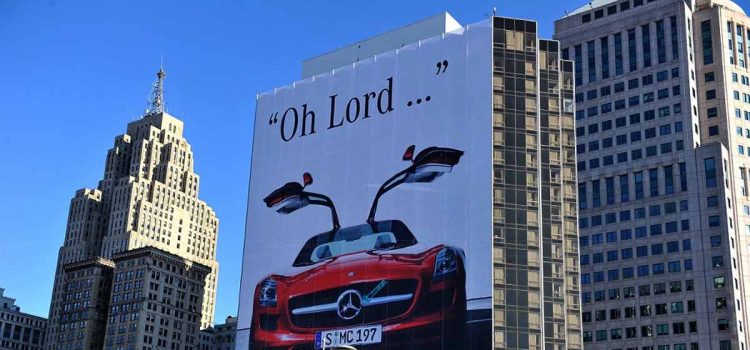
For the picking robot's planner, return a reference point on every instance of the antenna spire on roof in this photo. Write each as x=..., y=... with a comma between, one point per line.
x=156, y=98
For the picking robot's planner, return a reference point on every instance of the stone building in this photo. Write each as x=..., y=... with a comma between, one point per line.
x=148, y=197
x=19, y=330
x=663, y=136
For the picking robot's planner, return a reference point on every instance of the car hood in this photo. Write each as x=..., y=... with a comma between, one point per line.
x=364, y=261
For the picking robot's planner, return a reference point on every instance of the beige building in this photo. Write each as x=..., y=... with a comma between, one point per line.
x=155, y=301
x=663, y=136
x=19, y=330
x=83, y=315
x=148, y=197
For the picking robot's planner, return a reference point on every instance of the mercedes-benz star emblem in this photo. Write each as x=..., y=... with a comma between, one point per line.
x=349, y=304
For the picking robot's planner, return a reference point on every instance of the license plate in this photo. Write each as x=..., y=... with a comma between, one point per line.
x=372, y=334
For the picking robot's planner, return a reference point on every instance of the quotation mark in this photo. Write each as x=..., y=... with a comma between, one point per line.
x=441, y=66
x=274, y=118
x=419, y=101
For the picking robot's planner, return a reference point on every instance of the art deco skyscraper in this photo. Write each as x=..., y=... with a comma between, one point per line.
x=148, y=197
x=663, y=126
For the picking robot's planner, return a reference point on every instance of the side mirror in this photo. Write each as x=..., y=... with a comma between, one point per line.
x=287, y=198
x=409, y=153
x=432, y=162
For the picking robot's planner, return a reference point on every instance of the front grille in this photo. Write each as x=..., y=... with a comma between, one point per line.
x=368, y=314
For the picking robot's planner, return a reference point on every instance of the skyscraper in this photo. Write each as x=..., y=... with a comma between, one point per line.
x=147, y=198
x=663, y=123
x=536, y=294
x=492, y=94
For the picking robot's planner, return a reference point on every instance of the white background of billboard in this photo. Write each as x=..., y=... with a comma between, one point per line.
x=350, y=163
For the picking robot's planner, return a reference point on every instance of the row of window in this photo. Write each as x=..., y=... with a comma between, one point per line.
x=661, y=181
x=660, y=309
x=612, y=9
x=636, y=154
x=634, y=83
x=633, y=101
x=640, y=270
x=640, y=232
x=635, y=136
x=643, y=291
x=634, y=119
x=649, y=331
x=643, y=251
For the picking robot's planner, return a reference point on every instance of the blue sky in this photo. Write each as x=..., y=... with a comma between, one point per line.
x=74, y=73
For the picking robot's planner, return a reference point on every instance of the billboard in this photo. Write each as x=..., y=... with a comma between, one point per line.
x=369, y=217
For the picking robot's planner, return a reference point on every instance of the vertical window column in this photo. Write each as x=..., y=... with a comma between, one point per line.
x=673, y=34
x=646, y=42
x=632, y=55
x=708, y=54
x=618, y=54
x=591, y=58
x=624, y=188
x=605, y=56
x=661, y=45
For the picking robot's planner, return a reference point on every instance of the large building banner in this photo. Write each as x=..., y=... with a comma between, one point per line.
x=369, y=218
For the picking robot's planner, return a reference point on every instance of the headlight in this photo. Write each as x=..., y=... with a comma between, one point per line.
x=446, y=263
x=267, y=293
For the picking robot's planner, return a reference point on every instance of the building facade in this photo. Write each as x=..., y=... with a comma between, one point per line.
x=533, y=300
x=83, y=317
x=147, y=198
x=535, y=252
x=19, y=330
x=155, y=301
x=661, y=100
x=221, y=336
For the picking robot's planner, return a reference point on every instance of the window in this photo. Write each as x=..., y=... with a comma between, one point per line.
x=591, y=48
x=578, y=57
x=719, y=282
x=675, y=286
x=709, y=165
x=582, y=196
x=668, y=180
x=618, y=54
x=717, y=261
x=624, y=188
x=646, y=41
x=638, y=176
x=710, y=94
x=714, y=221
x=632, y=59
x=609, y=184
x=709, y=77
x=604, y=42
x=619, y=87
x=715, y=241
x=683, y=177
x=653, y=179
x=708, y=55
x=596, y=194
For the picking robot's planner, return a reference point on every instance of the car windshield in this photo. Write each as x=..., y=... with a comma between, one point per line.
x=381, y=235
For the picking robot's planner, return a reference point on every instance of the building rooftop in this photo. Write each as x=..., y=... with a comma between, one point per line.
x=599, y=3
x=388, y=41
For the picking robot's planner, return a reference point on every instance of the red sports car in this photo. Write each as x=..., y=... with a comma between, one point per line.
x=371, y=285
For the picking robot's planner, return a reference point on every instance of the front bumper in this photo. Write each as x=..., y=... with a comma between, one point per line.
x=436, y=317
